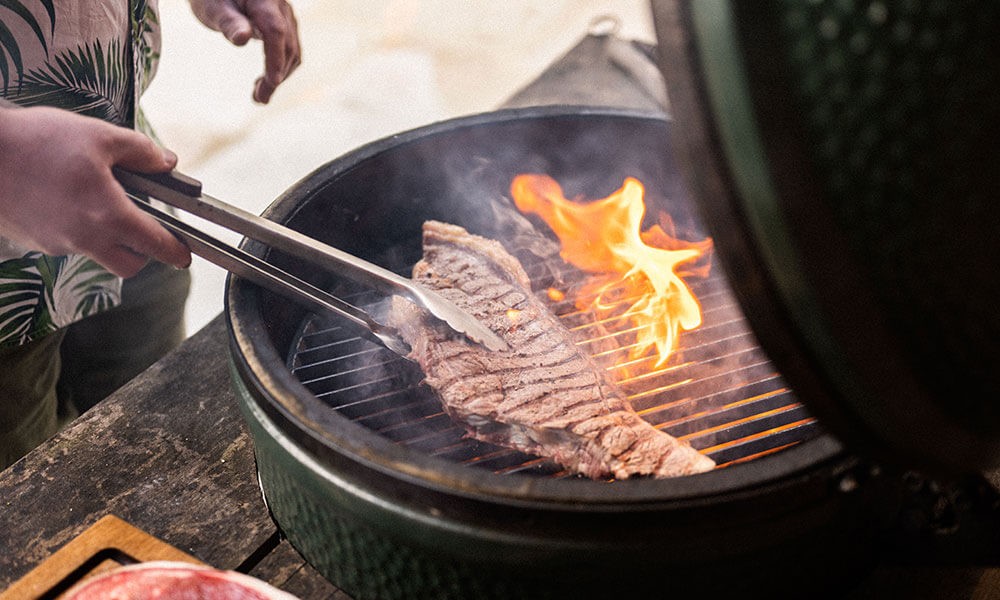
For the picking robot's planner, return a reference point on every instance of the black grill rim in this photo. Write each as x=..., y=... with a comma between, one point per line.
x=350, y=449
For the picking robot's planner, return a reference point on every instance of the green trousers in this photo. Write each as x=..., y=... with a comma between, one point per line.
x=45, y=384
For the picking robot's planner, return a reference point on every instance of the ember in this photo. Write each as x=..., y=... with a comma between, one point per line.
x=638, y=273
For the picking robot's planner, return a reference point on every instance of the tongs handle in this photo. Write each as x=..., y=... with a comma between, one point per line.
x=266, y=275
x=185, y=193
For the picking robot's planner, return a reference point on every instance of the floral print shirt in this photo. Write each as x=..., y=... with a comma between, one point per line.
x=93, y=57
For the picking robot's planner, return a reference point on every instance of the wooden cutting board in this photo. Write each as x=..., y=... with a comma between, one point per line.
x=107, y=544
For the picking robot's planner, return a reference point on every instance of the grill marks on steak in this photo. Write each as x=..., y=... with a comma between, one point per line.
x=545, y=396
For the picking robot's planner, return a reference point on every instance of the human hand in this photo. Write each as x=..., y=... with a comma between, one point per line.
x=59, y=196
x=272, y=21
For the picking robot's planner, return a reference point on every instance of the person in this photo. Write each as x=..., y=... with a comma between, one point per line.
x=71, y=331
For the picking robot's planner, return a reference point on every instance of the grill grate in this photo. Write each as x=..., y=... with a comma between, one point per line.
x=718, y=391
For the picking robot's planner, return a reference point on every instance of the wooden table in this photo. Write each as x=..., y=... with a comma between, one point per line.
x=169, y=452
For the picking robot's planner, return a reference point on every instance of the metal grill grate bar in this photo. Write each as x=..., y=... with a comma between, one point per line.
x=719, y=392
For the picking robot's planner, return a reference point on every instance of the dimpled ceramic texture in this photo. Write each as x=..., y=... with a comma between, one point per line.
x=895, y=95
x=349, y=541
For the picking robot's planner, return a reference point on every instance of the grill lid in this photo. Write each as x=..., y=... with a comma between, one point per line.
x=840, y=169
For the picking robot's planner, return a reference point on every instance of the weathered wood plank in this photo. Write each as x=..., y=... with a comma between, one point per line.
x=285, y=568
x=168, y=453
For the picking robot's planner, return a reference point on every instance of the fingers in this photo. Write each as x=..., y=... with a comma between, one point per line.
x=124, y=250
x=120, y=260
x=224, y=16
x=235, y=26
x=133, y=236
x=275, y=23
x=136, y=152
x=58, y=194
x=129, y=238
x=237, y=30
x=148, y=238
x=126, y=258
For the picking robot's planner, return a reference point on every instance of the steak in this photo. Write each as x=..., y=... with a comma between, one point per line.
x=544, y=396
x=163, y=580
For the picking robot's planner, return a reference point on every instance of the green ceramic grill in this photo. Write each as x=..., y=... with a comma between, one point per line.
x=843, y=153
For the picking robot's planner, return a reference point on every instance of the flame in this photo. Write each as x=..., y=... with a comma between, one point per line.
x=641, y=270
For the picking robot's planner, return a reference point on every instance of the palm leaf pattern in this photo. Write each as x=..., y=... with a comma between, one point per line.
x=144, y=23
x=93, y=80
x=81, y=287
x=22, y=290
x=39, y=293
x=10, y=53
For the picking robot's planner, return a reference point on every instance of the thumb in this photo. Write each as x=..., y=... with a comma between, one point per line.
x=137, y=152
x=234, y=25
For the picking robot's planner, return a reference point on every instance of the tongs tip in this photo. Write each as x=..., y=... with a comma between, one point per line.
x=458, y=319
x=488, y=339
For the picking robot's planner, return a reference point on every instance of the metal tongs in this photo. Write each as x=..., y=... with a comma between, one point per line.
x=185, y=193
